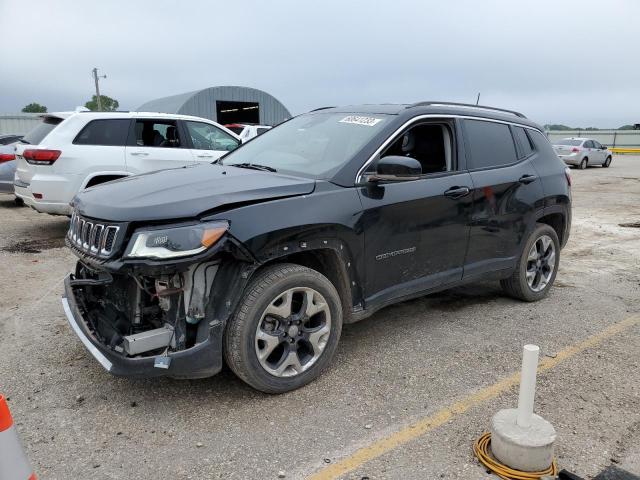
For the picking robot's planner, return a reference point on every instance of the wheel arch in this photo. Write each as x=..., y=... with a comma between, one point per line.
x=557, y=219
x=101, y=177
x=329, y=262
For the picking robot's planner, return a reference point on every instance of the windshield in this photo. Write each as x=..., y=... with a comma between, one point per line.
x=315, y=144
x=568, y=141
x=35, y=136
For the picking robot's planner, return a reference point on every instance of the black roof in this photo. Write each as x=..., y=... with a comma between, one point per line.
x=444, y=108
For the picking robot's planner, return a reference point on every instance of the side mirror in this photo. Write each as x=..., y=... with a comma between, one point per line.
x=395, y=168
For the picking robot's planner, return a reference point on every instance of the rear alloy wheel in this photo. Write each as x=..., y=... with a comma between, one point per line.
x=537, y=267
x=285, y=330
x=583, y=163
x=607, y=162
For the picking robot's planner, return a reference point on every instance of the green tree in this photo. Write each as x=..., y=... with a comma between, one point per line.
x=108, y=104
x=34, y=107
x=556, y=126
x=626, y=127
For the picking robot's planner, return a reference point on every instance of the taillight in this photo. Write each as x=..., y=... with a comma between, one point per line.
x=7, y=157
x=567, y=173
x=575, y=149
x=41, y=157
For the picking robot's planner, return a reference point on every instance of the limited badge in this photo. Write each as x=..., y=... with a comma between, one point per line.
x=361, y=120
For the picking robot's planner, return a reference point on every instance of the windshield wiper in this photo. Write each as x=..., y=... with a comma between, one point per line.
x=254, y=166
x=22, y=140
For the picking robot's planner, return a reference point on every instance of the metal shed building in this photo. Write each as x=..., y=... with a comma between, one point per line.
x=224, y=105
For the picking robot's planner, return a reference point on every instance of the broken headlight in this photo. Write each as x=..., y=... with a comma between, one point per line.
x=175, y=241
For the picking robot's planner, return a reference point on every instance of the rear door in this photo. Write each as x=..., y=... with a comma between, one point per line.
x=507, y=194
x=207, y=141
x=589, y=152
x=156, y=144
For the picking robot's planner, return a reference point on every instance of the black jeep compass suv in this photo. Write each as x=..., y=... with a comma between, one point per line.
x=259, y=258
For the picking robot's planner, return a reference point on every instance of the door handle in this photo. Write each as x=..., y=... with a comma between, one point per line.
x=457, y=192
x=204, y=156
x=139, y=153
x=527, y=179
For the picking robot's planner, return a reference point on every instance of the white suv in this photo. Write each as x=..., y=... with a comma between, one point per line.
x=247, y=131
x=72, y=151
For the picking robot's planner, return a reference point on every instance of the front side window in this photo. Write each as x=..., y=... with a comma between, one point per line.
x=205, y=136
x=111, y=132
x=430, y=144
x=157, y=133
x=490, y=144
x=317, y=144
x=597, y=145
x=524, y=143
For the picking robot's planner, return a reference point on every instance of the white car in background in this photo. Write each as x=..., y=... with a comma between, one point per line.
x=247, y=131
x=71, y=151
x=582, y=152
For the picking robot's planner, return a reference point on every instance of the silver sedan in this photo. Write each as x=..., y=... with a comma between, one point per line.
x=7, y=161
x=582, y=152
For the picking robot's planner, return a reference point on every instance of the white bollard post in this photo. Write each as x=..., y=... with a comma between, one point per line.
x=527, y=385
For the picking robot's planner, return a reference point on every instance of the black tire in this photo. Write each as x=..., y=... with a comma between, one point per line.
x=18, y=202
x=607, y=162
x=583, y=163
x=516, y=285
x=241, y=331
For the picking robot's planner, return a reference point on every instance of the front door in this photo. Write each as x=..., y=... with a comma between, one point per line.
x=416, y=231
x=209, y=142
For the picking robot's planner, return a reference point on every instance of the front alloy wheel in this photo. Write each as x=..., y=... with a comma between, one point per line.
x=293, y=332
x=285, y=330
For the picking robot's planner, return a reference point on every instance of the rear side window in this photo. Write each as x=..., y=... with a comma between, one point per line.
x=490, y=143
x=525, y=147
x=111, y=132
x=262, y=130
x=35, y=136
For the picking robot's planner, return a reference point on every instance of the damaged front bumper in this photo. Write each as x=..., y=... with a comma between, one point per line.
x=201, y=360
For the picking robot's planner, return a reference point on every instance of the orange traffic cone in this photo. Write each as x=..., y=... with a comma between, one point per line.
x=13, y=462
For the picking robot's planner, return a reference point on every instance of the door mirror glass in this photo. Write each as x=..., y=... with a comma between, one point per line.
x=398, y=166
x=395, y=168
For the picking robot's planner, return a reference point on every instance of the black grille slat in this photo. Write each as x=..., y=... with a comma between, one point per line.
x=92, y=238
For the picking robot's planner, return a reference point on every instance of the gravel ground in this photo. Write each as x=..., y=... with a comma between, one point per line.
x=406, y=362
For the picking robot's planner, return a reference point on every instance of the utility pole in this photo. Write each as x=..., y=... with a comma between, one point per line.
x=95, y=78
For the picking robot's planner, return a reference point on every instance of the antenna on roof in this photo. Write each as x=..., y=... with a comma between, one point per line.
x=478, y=99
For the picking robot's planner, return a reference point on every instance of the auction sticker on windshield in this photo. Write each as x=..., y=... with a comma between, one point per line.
x=361, y=120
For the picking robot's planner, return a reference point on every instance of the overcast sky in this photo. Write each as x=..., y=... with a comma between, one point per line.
x=562, y=61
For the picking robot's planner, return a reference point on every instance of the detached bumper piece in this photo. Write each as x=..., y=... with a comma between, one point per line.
x=201, y=360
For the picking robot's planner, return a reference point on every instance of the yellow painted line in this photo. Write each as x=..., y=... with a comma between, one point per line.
x=624, y=150
x=415, y=430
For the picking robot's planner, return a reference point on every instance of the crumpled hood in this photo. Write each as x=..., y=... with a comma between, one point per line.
x=184, y=192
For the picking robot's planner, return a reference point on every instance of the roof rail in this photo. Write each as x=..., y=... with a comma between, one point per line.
x=467, y=105
x=321, y=108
